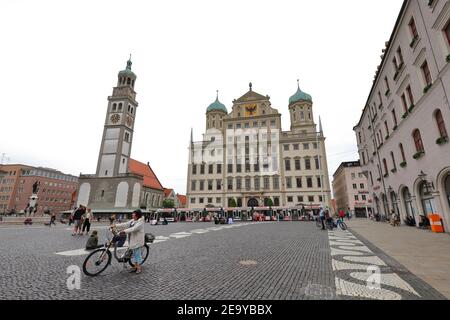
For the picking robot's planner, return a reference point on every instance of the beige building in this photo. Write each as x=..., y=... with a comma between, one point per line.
x=350, y=189
x=120, y=184
x=402, y=135
x=245, y=159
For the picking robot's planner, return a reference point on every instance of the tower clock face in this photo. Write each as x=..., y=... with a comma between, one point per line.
x=129, y=121
x=115, y=118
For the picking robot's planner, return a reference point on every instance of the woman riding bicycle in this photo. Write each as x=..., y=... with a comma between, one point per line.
x=135, y=230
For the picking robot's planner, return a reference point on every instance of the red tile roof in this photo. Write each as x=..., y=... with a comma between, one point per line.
x=167, y=192
x=181, y=199
x=150, y=178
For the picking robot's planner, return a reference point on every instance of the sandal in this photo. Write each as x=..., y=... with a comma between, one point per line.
x=138, y=271
x=132, y=270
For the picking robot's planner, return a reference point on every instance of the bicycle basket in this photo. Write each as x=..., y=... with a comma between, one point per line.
x=149, y=238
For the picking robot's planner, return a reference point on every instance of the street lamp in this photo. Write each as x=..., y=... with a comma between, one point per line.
x=427, y=185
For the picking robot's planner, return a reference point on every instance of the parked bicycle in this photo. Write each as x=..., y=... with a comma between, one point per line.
x=98, y=260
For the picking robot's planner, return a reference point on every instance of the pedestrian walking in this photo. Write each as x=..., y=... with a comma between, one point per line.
x=52, y=219
x=88, y=217
x=77, y=217
x=348, y=214
x=322, y=217
x=112, y=219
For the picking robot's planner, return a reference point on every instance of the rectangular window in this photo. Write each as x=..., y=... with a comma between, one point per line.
x=290, y=199
x=426, y=73
x=394, y=117
x=447, y=32
x=355, y=186
x=400, y=56
x=315, y=145
x=307, y=164
x=300, y=199
x=309, y=182
x=276, y=183
x=287, y=164
x=202, y=169
x=210, y=200
x=364, y=197
x=230, y=183
x=211, y=169
x=201, y=200
x=219, y=168
x=410, y=95
x=286, y=147
x=248, y=184
x=306, y=146
x=404, y=103
x=311, y=198
x=194, y=169
x=230, y=168
x=202, y=185
x=239, y=168
x=193, y=185
x=266, y=183
x=296, y=146
x=218, y=200
x=361, y=185
x=238, y=184
x=297, y=164
x=319, y=182
x=288, y=182
x=218, y=184
x=192, y=200
x=413, y=29
x=356, y=197
x=316, y=159
x=257, y=183
x=299, y=182
x=210, y=185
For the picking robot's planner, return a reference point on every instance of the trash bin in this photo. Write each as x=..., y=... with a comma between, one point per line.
x=436, y=223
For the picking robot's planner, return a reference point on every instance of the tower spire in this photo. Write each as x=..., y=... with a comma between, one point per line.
x=217, y=95
x=298, y=84
x=129, y=63
x=320, y=126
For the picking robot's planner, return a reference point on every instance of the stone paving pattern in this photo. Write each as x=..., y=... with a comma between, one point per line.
x=293, y=262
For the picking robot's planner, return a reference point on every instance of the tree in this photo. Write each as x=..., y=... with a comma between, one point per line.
x=268, y=202
x=232, y=203
x=168, y=203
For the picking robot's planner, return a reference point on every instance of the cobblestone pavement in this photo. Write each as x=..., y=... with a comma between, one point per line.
x=279, y=260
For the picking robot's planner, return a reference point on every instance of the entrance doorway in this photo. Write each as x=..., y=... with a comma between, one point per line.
x=252, y=203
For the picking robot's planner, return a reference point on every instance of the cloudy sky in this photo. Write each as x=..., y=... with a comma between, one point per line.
x=59, y=61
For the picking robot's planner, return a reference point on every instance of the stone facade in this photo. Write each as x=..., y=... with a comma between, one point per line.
x=402, y=134
x=246, y=158
x=350, y=189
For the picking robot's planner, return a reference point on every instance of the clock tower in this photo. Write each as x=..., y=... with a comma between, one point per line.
x=118, y=130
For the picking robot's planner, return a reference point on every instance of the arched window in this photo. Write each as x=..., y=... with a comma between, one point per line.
x=385, y=166
x=120, y=106
x=114, y=107
x=418, y=141
x=402, y=151
x=132, y=110
x=128, y=81
x=393, y=161
x=441, y=124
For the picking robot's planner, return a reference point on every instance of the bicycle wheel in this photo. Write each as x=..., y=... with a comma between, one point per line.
x=96, y=262
x=343, y=226
x=144, y=252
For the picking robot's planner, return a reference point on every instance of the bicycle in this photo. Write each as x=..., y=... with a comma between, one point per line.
x=341, y=224
x=98, y=260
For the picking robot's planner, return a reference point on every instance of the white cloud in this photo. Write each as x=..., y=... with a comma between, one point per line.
x=60, y=60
